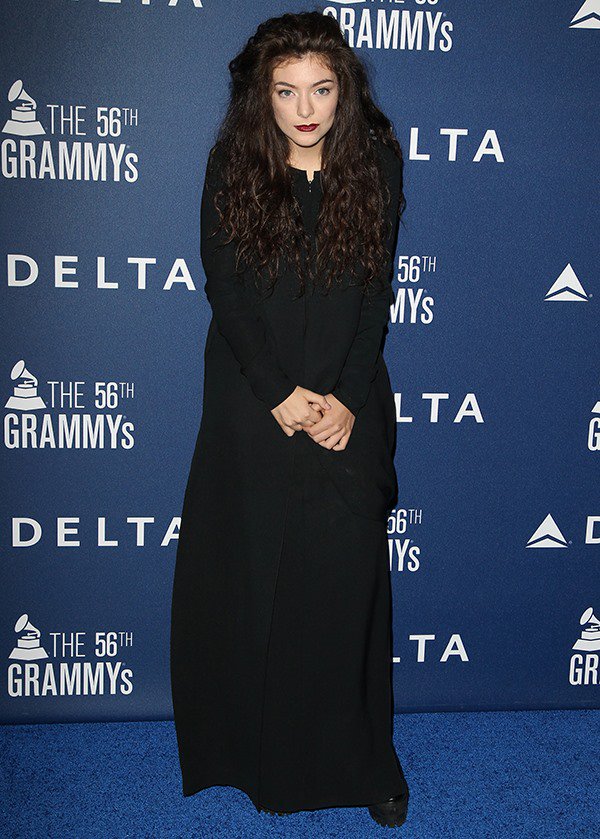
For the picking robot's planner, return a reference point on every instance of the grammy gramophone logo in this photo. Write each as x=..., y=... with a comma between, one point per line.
x=66, y=422
x=24, y=396
x=28, y=646
x=589, y=640
x=81, y=663
x=73, y=145
x=23, y=119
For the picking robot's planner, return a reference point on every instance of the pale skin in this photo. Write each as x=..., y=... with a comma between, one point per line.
x=305, y=92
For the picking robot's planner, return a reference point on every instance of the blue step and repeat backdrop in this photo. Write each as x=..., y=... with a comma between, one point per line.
x=108, y=112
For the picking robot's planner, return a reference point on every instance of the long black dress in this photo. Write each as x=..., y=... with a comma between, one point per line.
x=280, y=621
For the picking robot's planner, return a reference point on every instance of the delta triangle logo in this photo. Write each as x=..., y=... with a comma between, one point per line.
x=547, y=536
x=588, y=16
x=566, y=287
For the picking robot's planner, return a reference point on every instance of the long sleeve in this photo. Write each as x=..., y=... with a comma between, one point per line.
x=237, y=320
x=360, y=366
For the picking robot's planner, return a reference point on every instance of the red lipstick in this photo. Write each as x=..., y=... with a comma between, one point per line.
x=310, y=127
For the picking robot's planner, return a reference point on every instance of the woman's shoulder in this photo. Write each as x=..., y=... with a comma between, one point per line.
x=391, y=164
x=216, y=155
x=391, y=167
x=215, y=166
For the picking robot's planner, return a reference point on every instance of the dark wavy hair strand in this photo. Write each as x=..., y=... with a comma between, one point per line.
x=257, y=208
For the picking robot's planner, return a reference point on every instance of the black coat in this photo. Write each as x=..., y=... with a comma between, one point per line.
x=280, y=624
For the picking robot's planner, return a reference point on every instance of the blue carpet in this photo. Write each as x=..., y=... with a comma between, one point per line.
x=487, y=774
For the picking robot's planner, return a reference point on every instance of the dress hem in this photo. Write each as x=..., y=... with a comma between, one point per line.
x=327, y=805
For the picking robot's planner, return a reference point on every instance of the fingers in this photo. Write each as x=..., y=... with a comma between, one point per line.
x=318, y=398
x=287, y=427
x=309, y=419
x=335, y=441
x=313, y=415
x=342, y=443
x=326, y=433
x=302, y=410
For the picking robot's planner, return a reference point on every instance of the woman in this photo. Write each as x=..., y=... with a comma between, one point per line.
x=280, y=633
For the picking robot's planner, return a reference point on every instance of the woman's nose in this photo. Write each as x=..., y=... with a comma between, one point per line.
x=305, y=109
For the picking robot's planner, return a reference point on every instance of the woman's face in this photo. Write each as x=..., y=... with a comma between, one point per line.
x=304, y=96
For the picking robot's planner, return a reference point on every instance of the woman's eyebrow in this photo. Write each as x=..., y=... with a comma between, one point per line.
x=287, y=84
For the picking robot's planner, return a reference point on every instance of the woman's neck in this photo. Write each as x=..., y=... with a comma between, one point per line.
x=308, y=159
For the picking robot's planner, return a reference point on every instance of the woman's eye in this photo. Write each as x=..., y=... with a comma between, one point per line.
x=281, y=92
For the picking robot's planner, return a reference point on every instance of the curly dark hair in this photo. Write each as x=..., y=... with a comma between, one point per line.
x=256, y=206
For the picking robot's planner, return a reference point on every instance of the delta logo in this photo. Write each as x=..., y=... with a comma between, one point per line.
x=588, y=16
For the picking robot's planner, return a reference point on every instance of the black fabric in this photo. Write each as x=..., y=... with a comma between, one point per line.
x=280, y=619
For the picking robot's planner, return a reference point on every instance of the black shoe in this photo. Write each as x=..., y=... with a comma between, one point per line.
x=391, y=813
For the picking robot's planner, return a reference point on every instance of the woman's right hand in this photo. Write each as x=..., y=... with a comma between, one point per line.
x=296, y=412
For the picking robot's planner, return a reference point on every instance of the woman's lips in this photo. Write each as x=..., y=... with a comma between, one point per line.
x=310, y=127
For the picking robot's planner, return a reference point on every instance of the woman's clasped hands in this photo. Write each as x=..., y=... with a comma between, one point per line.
x=323, y=417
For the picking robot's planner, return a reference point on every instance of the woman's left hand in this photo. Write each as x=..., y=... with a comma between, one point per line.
x=334, y=428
